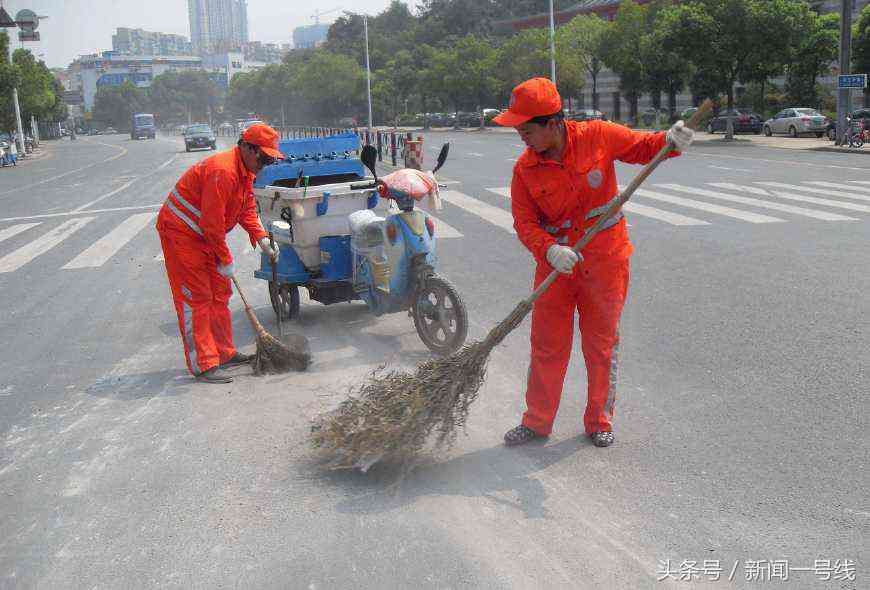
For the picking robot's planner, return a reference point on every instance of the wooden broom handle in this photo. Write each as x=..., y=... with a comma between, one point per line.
x=622, y=199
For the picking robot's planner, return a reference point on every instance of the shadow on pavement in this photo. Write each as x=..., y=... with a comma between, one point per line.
x=500, y=474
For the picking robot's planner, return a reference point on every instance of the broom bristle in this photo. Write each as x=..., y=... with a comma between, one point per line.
x=395, y=414
x=273, y=356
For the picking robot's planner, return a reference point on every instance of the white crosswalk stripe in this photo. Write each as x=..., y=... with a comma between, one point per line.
x=443, y=230
x=504, y=191
x=754, y=190
x=816, y=214
x=814, y=189
x=709, y=207
x=495, y=215
x=100, y=251
x=838, y=185
x=661, y=215
x=42, y=244
x=12, y=231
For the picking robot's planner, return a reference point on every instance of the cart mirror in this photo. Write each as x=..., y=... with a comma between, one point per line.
x=442, y=157
x=369, y=157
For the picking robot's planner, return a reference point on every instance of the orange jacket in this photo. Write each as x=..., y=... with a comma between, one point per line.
x=210, y=199
x=555, y=202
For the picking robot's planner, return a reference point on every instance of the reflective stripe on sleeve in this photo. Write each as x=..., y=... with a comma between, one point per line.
x=184, y=202
x=187, y=220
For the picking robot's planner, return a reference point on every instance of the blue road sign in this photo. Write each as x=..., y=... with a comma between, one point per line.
x=852, y=81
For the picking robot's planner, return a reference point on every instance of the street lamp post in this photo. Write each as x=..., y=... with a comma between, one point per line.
x=368, y=69
x=552, y=44
x=844, y=94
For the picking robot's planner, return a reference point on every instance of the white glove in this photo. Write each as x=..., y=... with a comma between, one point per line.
x=681, y=136
x=563, y=258
x=266, y=247
x=226, y=270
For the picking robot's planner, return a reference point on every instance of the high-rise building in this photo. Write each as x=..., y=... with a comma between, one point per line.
x=217, y=25
x=138, y=42
x=310, y=36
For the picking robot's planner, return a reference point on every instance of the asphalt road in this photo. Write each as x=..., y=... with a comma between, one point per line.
x=742, y=429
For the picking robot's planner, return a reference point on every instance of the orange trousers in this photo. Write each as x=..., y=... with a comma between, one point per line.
x=597, y=290
x=201, y=296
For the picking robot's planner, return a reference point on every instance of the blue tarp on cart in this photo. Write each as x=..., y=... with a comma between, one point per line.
x=316, y=156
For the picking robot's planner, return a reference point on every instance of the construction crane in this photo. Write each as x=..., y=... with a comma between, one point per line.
x=318, y=13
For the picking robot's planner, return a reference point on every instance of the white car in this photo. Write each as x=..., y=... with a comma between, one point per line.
x=795, y=121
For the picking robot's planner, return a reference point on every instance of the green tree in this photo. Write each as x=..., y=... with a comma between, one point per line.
x=334, y=86
x=583, y=39
x=665, y=68
x=733, y=40
x=185, y=96
x=114, y=105
x=523, y=56
x=10, y=77
x=473, y=73
x=818, y=43
x=623, y=51
x=861, y=47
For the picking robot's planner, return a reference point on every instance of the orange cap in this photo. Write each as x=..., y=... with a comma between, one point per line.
x=265, y=137
x=533, y=98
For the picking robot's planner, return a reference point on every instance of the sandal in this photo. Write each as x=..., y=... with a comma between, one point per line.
x=520, y=435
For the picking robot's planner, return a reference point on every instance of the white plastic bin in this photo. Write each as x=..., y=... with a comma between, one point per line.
x=308, y=227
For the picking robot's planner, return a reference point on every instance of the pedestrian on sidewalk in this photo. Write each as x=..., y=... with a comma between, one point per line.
x=209, y=200
x=12, y=155
x=562, y=183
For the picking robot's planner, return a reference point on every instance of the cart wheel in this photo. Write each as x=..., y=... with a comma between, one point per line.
x=440, y=316
x=285, y=300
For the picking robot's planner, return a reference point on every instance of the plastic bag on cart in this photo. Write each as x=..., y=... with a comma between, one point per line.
x=415, y=184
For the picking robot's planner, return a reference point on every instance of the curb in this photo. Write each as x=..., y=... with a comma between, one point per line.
x=840, y=150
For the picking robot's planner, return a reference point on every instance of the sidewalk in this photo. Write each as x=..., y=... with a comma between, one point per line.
x=810, y=143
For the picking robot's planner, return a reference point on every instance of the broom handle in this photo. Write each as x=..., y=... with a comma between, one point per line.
x=623, y=198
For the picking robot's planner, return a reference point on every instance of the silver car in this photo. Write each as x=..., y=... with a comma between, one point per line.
x=796, y=121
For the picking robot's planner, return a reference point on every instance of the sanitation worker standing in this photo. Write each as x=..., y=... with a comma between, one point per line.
x=209, y=200
x=562, y=183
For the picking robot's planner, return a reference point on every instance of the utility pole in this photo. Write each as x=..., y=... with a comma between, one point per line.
x=368, y=69
x=844, y=95
x=552, y=44
x=8, y=23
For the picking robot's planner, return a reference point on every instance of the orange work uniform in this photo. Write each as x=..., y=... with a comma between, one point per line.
x=554, y=203
x=209, y=200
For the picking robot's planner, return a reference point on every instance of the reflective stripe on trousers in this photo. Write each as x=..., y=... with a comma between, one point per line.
x=190, y=350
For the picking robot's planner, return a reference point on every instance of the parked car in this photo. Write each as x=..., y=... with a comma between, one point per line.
x=795, y=121
x=110, y=131
x=199, y=136
x=586, y=115
x=744, y=122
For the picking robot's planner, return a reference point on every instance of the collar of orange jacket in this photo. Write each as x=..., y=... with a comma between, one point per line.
x=573, y=130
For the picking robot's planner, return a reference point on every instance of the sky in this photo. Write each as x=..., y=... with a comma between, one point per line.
x=76, y=27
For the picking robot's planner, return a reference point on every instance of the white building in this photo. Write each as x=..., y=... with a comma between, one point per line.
x=110, y=69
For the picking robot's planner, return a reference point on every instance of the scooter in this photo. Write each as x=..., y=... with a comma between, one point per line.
x=394, y=263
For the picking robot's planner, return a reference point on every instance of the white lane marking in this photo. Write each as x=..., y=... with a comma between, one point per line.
x=709, y=207
x=860, y=181
x=726, y=168
x=754, y=190
x=106, y=196
x=485, y=211
x=812, y=189
x=72, y=213
x=475, y=154
x=666, y=216
x=512, y=160
x=42, y=244
x=159, y=258
x=445, y=230
x=126, y=185
x=504, y=191
x=100, y=251
x=837, y=185
x=14, y=230
x=814, y=213
x=37, y=183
